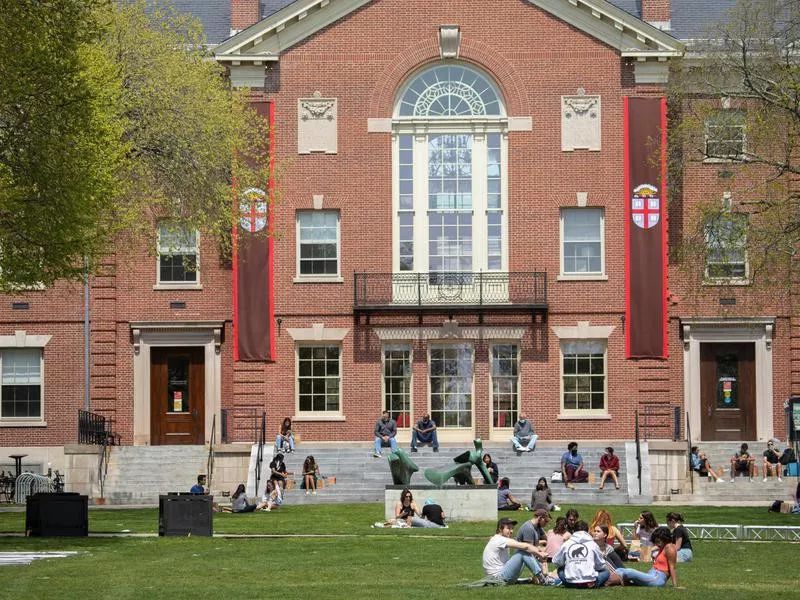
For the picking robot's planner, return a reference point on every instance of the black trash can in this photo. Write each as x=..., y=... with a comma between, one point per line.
x=57, y=514
x=185, y=514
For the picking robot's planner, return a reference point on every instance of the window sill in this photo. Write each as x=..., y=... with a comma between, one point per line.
x=332, y=279
x=178, y=286
x=4, y=423
x=726, y=282
x=587, y=277
x=583, y=417
x=723, y=161
x=317, y=417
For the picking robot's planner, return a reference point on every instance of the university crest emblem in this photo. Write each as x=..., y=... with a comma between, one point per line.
x=645, y=206
x=253, y=210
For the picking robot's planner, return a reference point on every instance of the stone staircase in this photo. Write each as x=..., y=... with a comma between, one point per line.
x=362, y=478
x=139, y=474
x=742, y=490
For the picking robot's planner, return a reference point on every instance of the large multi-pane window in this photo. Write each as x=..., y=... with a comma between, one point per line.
x=318, y=243
x=21, y=381
x=177, y=254
x=583, y=375
x=451, y=384
x=450, y=188
x=726, y=135
x=505, y=384
x=397, y=382
x=582, y=238
x=318, y=378
x=726, y=246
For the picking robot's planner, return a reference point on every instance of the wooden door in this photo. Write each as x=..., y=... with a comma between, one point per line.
x=177, y=396
x=727, y=391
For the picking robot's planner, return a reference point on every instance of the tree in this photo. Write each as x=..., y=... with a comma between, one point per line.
x=60, y=145
x=736, y=100
x=111, y=115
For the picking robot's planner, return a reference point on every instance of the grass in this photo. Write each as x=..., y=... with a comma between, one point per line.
x=360, y=563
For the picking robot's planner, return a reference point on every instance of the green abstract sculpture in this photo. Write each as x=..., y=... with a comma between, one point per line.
x=462, y=472
x=402, y=467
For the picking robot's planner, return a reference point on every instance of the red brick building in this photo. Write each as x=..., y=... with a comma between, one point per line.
x=450, y=236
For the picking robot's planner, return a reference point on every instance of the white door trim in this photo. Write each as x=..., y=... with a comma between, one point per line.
x=757, y=330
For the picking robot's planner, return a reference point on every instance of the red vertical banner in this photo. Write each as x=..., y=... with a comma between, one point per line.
x=645, y=129
x=253, y=260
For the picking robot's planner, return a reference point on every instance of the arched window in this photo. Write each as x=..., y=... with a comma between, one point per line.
x=450, y=211
x=449, y=91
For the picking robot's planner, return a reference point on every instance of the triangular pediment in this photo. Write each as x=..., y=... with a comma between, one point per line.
x=600, y=19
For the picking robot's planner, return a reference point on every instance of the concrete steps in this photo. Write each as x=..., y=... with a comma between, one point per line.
x=139, y=474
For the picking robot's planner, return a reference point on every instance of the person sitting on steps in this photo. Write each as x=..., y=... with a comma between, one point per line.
x=284, y=442
x=424, y=432
x=572, y=470
x=700, y=464
x=609, y=467
x=772, y=461
x=743, y=462
x=385, y=432
x=524, y=438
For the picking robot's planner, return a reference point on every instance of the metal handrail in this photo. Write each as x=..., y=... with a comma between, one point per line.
x=260, y=456
x=689, y=452
x=210, y=459
x=102, y=466
x=638, y=451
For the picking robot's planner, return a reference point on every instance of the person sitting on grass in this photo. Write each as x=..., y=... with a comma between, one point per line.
x=496, y=561
x=542, y=497
x=505, y=501
x=556, y=537
x=310, y=475
x=683, y=544
x=663, y=564
x=200, y=486
x=273, y=498
x=406, y=509
x=603, y=517
x=613, y=561
x=572, y=518
x=579, y=561
x=239, y=501
x=433, y=514
x=609, y=467
x=701, y=465
x=743, y=462
x=643, y=528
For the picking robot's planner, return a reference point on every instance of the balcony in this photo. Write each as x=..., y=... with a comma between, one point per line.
x=450, y=292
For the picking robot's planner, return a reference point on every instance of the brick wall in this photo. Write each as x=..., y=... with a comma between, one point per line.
x=655, y=10
x=245, y=13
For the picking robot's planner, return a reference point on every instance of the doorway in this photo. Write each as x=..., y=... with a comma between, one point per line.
x=177, y=396
x=728, y=391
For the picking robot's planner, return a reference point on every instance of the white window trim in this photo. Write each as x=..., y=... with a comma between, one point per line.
x=310, y=415
x=21, y=340
x=742, y=157
x=300, y=278
x=600, y=275
x=177, y=285
x=440, y=427
x=411, y=410
x=514, y=342
x=568, y=413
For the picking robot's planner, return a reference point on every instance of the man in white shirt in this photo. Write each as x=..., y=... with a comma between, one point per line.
x=496, y=562
x=580, y=562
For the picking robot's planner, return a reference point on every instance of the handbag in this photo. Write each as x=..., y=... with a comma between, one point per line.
x=557, y=476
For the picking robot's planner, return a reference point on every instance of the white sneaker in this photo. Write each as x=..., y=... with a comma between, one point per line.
x=764, y=480
x=779, y=478
x=314, y=493
x=721, y=480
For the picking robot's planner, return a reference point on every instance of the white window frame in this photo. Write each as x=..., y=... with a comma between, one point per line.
x=172, y=285
x=22, y=421
x=518, y=357
x=708, y=279
x=311, y=414
x=565, y=275
x=332, y=278
x=580, y=412
x=420, y=128
x=709, y=123
x=442, y=426
x=410, y=349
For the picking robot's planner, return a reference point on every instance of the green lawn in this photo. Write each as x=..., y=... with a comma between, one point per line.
x=359, y=563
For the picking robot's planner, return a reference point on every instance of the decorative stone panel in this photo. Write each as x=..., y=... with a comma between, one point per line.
x=317, y=125
x=580, y=122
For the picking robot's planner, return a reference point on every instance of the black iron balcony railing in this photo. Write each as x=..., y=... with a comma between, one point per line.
x=451, y=291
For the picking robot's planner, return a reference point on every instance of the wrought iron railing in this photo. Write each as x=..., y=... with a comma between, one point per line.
x=660, y=422
x=516, y=289
x=262, y=436
x=96, y=429
x=210, y=460
x=240, y=424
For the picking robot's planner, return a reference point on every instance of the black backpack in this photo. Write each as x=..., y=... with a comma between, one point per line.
x=788, y=456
